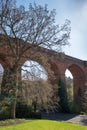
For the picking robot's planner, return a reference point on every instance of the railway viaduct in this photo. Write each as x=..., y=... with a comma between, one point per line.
x=58, y=62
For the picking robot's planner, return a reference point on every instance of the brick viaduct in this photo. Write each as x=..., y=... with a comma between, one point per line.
x=59, y=62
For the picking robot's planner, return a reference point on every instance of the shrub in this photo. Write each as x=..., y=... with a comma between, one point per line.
x=73, y=107
x=5, y=107
x=25, y=111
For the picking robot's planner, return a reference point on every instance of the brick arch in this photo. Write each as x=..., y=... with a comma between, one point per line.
x=48, y=64
x=4, y=62
x=40, y=61
x=57, y=62
x=79, y=79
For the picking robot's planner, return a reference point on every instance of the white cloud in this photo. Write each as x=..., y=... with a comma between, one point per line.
x=78, y=32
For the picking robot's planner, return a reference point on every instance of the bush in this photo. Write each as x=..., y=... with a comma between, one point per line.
x=5, y=105
x=4, y=113
x=62, y=92
x=25, y=111
x=73, y=107
x=35, y=115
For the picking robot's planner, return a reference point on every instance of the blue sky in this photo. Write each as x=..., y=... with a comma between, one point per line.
x=76, y=12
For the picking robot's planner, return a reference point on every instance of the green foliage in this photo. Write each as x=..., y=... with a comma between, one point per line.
x=73, y=107
x=5, y=107
x=25, y=111
x=69, y=86
x=62, y=92
x=67, y=103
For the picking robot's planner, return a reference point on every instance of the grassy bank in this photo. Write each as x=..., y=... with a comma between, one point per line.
x=43, y=125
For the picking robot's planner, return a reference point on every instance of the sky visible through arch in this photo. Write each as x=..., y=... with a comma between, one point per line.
x=76, y=12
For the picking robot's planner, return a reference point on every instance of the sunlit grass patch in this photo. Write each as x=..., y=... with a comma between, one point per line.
x=44, y=125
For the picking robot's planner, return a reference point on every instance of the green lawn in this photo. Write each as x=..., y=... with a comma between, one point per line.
x=44, y=125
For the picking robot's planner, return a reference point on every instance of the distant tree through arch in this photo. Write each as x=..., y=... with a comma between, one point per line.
x=69, y=85
x=32, y=70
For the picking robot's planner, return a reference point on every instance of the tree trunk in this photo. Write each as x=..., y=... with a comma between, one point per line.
x=15, y=94
x=13, y=109
x=9, y=89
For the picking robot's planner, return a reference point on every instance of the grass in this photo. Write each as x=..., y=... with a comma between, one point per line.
x=44, y=125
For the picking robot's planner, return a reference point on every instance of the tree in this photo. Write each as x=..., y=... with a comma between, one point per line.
x=40, y=94
x=36, y=90
x=62, y=92
x=32, y=70
x=26, y=29
x=69, y=86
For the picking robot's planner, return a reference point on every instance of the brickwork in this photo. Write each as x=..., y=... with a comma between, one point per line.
x=59, y=62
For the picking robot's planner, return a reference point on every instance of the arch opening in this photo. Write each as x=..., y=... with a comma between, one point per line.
x=78, y=79
x=78, y=86
x=69, y=85
x=32, y=70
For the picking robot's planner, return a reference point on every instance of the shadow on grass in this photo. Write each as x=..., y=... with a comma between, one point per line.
x=80, y=119
x=58, y=116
